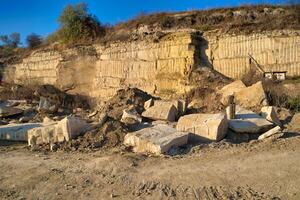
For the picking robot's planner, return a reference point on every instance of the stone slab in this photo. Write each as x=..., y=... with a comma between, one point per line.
x=157, y=139
x=247, y=121
x=269, y=133
x=17, y=132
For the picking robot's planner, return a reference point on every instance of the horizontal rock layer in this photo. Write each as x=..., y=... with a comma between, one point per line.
x=158, y=67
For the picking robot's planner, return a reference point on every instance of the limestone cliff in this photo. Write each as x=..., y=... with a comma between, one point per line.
x=158, y=67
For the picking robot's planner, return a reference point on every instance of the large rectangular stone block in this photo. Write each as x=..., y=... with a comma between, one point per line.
x=64, y=130
x=205, y=126
x=157, y=139
x=17, y=132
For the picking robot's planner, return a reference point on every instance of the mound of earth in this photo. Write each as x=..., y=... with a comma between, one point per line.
x=123, y=99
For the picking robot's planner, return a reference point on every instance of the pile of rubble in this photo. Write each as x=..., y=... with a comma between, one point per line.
x=146, y=124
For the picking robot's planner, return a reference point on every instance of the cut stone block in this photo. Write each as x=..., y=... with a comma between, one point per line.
x=205, y=126
x=269, y=113
x=161, y=111
x=17, y=132
x=157, y=139
x=252, y=96
x=247, y=121
x=269, y=133
x=64, y=130
x=230, y=89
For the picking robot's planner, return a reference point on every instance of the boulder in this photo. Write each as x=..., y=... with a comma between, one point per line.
x=252, y=97
x=148, y=104
x=64, y=130
x=230, y=89
x=269, y=133
x=7, y=111
x=17, y=132
x=130, y=116
x=157, y=139
x=205, y=126
x=161, y=111
x=269, y=113
x=247, y=121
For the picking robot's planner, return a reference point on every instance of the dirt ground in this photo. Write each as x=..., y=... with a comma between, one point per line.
x=256, y=170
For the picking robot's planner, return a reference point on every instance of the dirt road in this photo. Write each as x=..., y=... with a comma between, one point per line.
x=256, y=170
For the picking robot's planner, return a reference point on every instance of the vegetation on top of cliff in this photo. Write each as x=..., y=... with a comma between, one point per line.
x=244, y=19
x=77, y=26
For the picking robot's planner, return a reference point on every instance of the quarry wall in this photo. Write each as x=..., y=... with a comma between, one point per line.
x=273, y=51
x=158, y=67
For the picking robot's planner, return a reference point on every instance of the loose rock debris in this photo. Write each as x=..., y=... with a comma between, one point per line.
x=136, y=119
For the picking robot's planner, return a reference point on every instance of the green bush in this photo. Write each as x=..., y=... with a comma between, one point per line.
x=77, y=25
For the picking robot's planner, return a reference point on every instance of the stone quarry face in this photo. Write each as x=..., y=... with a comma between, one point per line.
x=204, y=126
x=247, y=121
x=161, y=111
x=157, y=139
x=155, y=67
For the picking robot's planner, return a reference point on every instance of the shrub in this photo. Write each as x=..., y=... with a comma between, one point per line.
x=34, y=40
x=77, y=25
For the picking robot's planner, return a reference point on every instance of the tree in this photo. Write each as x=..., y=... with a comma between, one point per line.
x=76, y=24
x=13, y=40
x=34, y=40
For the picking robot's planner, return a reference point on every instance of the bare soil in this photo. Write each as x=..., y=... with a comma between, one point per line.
x=255, y=170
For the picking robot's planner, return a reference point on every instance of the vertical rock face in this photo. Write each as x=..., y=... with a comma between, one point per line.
x=274, y=51
x=160, y=67
x=153, y=67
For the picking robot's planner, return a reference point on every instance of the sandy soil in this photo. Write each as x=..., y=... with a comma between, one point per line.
x=255, y=170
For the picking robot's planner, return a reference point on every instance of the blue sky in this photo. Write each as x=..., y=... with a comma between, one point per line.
x=40, y=16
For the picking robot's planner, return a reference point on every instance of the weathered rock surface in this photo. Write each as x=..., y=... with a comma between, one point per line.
x=130, y=116
x=161, y=111
x=7, y=111
x=294, y=124
x=17, y=132
x=269, y=113
x=252, y=96
x=230, y=89
x=205, y=126
x=247, y=121
x=157, y=139
x=270, y=132
x=64, y=130
x=46, y=106
x=148, y=103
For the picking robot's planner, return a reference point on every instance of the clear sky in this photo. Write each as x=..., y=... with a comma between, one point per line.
x=40, y=16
